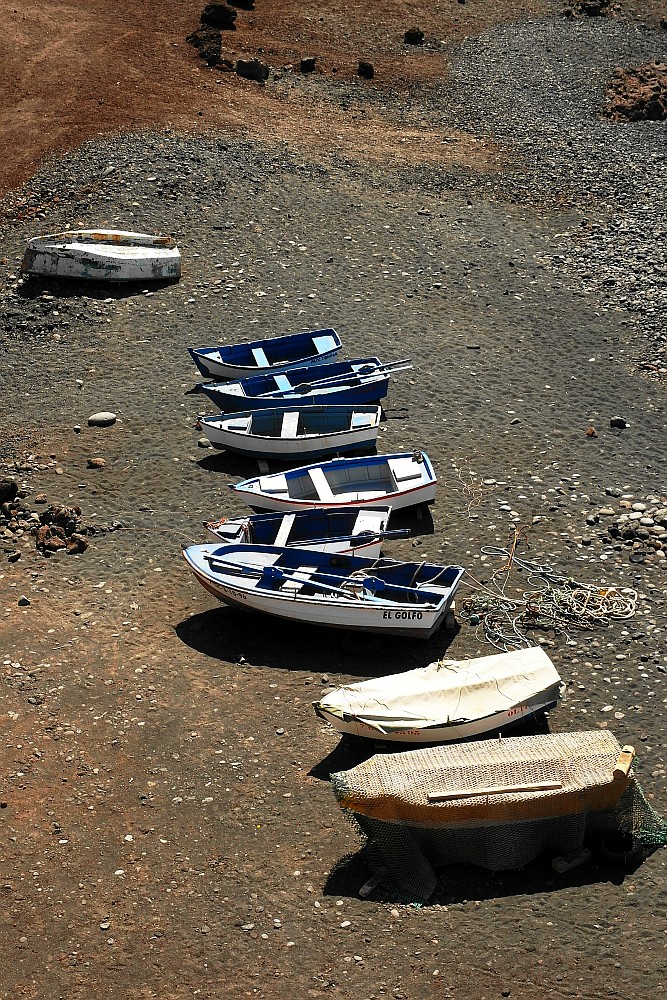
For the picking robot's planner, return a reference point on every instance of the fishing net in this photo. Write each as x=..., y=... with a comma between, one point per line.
x=498, y=804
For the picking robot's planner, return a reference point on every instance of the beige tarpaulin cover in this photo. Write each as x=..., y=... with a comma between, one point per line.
x=447, y=691
x=397, y=788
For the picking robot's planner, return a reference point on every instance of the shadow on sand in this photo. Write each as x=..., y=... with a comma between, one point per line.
x=464, y=883
x=227, y=634
x=33, y=286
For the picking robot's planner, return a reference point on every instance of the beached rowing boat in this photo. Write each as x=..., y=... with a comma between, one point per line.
x=399, y=480
x=277, y=354
x=447, y=700
x=362, y=380
x=288, y=434
x=359, y=531
x=103, y=255
x=342, y=591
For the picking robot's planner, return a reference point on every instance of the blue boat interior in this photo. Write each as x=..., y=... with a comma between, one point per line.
x=317, y=572
x=306, y=526
x=277, y=350
x=314, y=420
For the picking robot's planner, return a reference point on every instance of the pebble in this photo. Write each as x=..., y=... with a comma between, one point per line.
x=105, y=418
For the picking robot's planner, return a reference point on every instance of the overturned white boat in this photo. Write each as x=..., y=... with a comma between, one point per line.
x=103, y=255
x=447, y=700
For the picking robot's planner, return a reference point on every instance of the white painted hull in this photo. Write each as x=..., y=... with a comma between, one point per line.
x=445, y=733
x=307, y=446
x=397, y=501
x=104, y=255
x=384, y=617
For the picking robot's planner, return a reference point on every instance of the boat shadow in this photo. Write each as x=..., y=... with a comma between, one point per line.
x=234, y=636
x=33, y=286
x=353, y=750
x=466, y=883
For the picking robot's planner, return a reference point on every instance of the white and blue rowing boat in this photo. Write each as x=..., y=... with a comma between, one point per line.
x=277, y=354
x=341, y=591
x=300, y=433
x=357, y=531
x=398, y=480
x=362, y=380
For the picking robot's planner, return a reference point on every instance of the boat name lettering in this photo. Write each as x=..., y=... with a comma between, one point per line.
x=235, y=593
x=403, y=614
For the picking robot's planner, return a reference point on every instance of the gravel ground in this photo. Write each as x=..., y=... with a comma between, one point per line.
x=136, y=709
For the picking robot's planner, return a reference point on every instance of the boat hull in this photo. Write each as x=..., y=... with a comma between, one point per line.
x=372, y=391
x=356, y=534
x=447, y=732
x=384, y=596
x=300, y=350
x=104, y=256
x=398, y=620
x=289, y=449
x=397, y=501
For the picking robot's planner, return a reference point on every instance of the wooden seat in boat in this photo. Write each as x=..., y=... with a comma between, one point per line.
x=320, y=483
x=404, y=469
x=284, y=529
x=273, y=484
x=260, y=357
x=324, y=344
x=361, y=420
x=290, y=425
x=294, y=586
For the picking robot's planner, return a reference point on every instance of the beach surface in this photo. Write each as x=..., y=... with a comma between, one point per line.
x=168, y=826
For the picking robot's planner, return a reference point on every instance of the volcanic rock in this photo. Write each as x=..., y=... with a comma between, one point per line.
x=638, y=94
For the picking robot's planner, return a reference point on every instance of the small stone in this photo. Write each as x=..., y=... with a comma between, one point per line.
x=366, y=70
x=414, y=36
x=619, y=422
x=307, y=64
x=280, y=732
x=96, y=463
x=203, y=442
x=105, y=418
x=591, y=432
x=23, y=601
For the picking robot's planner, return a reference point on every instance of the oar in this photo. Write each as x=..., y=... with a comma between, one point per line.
x=276, y=573
x=388, y=369
x=365, y=535
x=372, y=584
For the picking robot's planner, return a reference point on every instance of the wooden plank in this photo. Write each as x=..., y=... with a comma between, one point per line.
x=284, y=529
x=320, y=483
x=290, y=424
x=260, y=357
x=324, y=344
x=471, y=793
x=624, y=762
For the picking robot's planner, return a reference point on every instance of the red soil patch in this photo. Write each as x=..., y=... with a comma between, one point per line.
x=69, y=72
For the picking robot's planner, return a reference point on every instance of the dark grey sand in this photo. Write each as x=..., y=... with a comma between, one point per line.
x=169, y=829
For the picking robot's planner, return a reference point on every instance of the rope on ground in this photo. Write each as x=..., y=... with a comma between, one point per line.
x=555, y=601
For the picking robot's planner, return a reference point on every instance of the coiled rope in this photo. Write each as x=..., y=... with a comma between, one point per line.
x=556, y=601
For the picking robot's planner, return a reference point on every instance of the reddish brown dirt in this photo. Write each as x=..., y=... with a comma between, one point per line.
x=71, y=71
